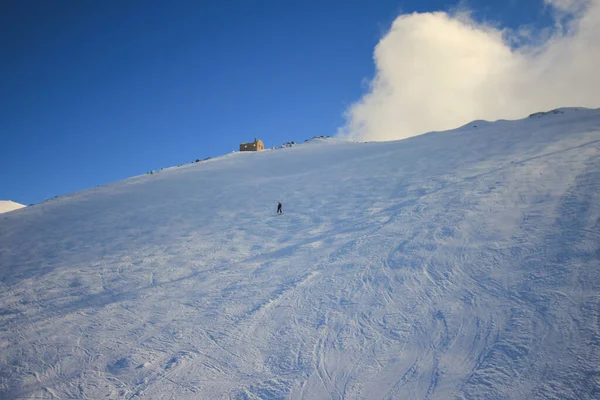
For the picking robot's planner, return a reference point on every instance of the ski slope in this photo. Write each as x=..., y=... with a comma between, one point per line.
x=453, y=265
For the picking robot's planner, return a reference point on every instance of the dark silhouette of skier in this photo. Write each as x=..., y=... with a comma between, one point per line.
x=279, y=210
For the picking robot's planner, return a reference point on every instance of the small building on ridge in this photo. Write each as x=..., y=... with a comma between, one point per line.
x=257, y=145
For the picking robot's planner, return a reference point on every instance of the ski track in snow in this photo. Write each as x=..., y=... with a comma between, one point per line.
x=460, y=264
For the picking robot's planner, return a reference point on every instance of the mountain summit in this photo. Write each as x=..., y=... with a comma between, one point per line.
x=7, y=205
x=457, y=264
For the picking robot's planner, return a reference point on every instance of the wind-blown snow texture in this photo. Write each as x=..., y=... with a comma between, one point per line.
x=460, y=264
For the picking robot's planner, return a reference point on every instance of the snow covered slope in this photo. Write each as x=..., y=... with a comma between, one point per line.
x=7, y=205
x=460, y=264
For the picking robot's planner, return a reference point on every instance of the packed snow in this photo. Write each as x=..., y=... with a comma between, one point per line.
x=462, y=264
x=8, y=205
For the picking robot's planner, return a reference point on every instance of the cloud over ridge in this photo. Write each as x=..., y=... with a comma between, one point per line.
x=436, y=71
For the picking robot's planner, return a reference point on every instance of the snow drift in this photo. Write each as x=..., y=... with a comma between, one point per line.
x=458, y=264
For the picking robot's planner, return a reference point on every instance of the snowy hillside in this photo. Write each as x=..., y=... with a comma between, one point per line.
x=7, y=205
x=461, y=264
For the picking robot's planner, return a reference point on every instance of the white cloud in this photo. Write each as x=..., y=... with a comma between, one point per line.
x=437, y=71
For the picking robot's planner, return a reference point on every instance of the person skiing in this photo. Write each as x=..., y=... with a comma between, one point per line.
x=279, y=210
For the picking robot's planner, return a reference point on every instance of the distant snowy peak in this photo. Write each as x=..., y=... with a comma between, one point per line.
x=7, y=205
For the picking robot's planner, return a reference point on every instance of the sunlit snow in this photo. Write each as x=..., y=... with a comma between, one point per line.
x=7, y=205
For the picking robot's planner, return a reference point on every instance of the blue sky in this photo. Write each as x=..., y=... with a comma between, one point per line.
x=97, y=91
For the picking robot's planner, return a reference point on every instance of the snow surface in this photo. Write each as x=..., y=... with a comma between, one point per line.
x=7, y=205
x=461, y=264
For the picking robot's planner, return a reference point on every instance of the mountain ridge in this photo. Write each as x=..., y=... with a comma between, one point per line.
x=9, y=205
